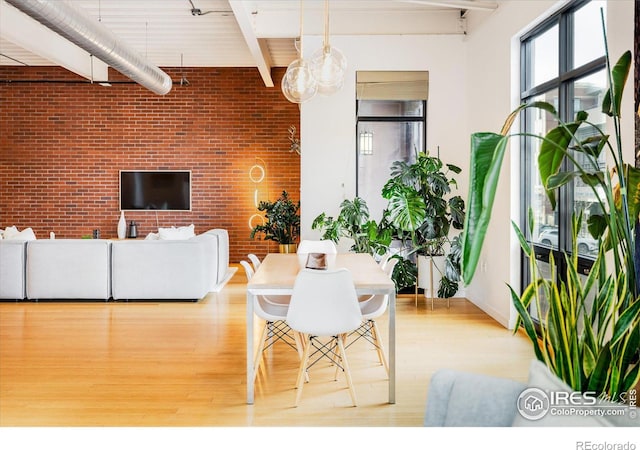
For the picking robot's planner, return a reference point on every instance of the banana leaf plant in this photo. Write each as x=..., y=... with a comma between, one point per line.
x=597, y=347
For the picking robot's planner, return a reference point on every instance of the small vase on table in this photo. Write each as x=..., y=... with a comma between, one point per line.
x=122, y=226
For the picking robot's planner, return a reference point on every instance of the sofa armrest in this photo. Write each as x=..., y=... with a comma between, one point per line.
x=459, y=399
x=222, y=265
x=12, y=269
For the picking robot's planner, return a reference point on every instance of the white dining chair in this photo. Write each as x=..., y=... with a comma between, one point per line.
x=384, y=259
x=371, y=309
x=275, y=299
x=322, y=246
x=255, y=261
x=324, y=304
x=275, y=326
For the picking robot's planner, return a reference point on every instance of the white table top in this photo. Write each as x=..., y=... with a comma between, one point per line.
x=278, y=271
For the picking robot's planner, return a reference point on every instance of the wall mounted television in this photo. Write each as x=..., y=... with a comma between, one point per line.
x=154, y=190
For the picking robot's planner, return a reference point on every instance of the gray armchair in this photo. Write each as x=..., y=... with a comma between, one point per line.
x=459, y=399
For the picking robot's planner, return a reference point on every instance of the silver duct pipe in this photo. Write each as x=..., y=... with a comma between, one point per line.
x=88, y=34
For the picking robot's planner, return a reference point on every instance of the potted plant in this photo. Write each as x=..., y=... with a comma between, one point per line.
x=282, y=222
x=423, y=211
x=591, y=347
x=354, y=223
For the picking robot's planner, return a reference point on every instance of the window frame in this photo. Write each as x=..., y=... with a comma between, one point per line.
x=386, y=119
x=563, y=82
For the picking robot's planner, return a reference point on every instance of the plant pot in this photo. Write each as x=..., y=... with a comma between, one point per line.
x=430, y=268
x=288, y=248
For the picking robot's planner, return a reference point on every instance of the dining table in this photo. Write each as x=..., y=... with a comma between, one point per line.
x=277, y=274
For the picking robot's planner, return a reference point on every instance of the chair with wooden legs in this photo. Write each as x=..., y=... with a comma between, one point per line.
x=371, y=309
x=275, y=327
x=324, y=303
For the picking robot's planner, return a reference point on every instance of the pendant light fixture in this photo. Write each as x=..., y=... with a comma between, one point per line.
x=298, y=83
x=328, y=64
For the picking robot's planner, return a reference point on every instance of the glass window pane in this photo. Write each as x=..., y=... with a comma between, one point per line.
x=587, y=96
x=379, y=145
x=544, y=57
x=545, y=218
x=390, y=108
x=539, y=309
x=587, y=33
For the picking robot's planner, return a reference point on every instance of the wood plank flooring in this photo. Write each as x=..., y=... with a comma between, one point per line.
x=183, y=364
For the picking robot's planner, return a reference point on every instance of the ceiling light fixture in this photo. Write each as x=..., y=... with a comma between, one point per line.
x=298, y=83
x=328, y=64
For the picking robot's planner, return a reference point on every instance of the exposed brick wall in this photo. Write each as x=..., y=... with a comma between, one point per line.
x=62, y=146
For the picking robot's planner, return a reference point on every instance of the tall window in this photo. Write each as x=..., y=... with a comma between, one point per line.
x=391, y=115
x=562, y=63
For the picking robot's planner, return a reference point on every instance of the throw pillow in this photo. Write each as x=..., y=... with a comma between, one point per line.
x=176, y=233
x=10, y=231
x=25, y=235
x=550, y=402
x=152, y=237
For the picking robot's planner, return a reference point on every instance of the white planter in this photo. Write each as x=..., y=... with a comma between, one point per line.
x=430, y=268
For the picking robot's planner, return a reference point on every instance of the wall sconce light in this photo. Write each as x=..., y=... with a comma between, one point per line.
x=366, y=143
x=257, y=174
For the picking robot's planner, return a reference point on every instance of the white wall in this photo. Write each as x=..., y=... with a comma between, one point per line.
x=491, y=99
x=328, y=123
x=472, y=88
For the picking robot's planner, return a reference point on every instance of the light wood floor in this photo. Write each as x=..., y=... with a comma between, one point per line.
x=183, y=364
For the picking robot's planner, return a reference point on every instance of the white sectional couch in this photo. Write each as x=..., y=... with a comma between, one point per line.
x=129, y=269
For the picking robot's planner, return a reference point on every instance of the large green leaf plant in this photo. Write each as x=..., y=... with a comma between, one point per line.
x=589, y=335
x=282, y=223
x=422, y=210
x=353, y=222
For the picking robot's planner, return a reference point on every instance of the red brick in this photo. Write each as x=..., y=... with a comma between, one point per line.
x=62, y=146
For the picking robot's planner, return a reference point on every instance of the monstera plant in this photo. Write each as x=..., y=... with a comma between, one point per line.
x=423, y=211
x=354, y=223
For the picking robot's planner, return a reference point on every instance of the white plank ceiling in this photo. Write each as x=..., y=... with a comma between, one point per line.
x=231, y=33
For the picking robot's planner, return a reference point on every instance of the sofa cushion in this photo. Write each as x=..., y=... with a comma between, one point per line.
x=148, y=269
x=68, y=269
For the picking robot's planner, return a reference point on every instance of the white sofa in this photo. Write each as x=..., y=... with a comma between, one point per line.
x=68, y=269
x=12, y=269
x=131, y=269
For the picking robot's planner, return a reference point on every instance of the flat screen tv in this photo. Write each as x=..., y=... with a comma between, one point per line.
x=155, y=190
